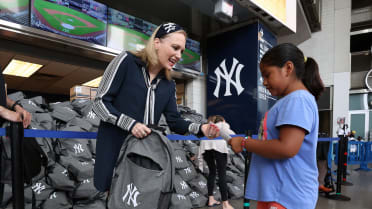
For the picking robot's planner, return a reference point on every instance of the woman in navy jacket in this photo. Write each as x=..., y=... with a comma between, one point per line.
x=135, y=90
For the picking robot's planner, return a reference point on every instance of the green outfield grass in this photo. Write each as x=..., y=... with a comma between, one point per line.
x=40, y=5
x=132, y=35
x=13, y=4
x=189, y=56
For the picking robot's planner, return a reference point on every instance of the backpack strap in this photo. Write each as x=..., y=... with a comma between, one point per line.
x=157, y=128
x=33, y=198
x=170, y=154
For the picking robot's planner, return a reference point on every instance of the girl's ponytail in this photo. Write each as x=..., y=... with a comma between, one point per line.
x=311, y=78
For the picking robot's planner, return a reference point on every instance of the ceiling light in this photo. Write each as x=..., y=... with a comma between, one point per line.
x=21, y=68
x=93, y=83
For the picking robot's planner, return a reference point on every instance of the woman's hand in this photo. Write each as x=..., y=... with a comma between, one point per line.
x=210, y=130
x=25, y=115
x=140, y=130
x=236, y=144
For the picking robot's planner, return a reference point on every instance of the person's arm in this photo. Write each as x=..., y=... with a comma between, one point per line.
x=25, y=116
x=294, y=119
x=179, y=125
x=107, y=91
x=287, y=146
x=10, y=115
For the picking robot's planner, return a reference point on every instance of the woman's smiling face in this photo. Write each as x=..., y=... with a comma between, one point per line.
x=170, y=49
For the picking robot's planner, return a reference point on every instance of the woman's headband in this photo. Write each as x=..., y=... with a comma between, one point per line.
x=167, y=28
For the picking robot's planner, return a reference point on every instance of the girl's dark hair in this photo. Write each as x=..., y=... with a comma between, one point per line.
x=306, y=68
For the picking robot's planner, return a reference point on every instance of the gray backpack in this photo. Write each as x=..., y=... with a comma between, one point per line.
x=144, y=174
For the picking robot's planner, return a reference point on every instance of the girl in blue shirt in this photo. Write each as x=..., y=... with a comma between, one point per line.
x=283, y=172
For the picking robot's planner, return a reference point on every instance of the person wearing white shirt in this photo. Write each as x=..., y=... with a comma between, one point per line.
x=215, y=153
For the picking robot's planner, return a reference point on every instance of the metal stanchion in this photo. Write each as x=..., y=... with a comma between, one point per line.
x=248, y=156
x=340, y=166
x=344, y=170
x=15, y=133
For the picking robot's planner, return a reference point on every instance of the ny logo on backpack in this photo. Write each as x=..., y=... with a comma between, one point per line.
x=132, y=194
x=144, y=173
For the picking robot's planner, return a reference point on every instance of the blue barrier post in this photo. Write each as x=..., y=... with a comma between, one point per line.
x=15, y=133
x=366, y=154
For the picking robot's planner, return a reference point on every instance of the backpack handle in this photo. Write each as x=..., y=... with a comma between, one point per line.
x=157, y=128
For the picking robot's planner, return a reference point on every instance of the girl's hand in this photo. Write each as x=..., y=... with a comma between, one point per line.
x=236, y=144
x=210, y=130
x=140, y=130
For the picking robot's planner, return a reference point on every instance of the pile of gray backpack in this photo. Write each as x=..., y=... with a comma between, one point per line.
x=190, y=182
x=67, y=180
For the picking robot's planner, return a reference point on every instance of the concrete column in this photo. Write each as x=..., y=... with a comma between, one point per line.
x=196, y=96
x=330, y=47
x=342, y=61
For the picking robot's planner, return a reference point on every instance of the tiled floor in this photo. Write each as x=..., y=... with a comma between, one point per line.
x=360, y=194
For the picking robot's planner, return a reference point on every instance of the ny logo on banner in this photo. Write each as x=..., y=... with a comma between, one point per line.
x=236, y=66
x=132, y=194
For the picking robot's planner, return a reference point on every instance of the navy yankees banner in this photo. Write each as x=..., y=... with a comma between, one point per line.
x=234, y=83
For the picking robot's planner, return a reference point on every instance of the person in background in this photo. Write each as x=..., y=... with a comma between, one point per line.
x=322, y=150
x=10, y=110
x=136, y=88
x=283, y=169
x=215, y=153
x=352, y=135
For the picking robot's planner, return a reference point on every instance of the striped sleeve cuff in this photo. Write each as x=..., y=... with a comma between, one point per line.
x=194, y=128
x=125, y=122
x=103, y=113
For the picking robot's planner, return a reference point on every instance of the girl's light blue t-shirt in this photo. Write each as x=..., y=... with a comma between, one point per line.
x=292, y=182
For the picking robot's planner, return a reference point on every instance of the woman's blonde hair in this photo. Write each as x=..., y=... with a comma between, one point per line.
x=149, y=55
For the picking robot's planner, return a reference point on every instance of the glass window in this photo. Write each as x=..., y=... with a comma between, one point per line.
x=357, y=123
x=369, y=101
x=357, y=102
